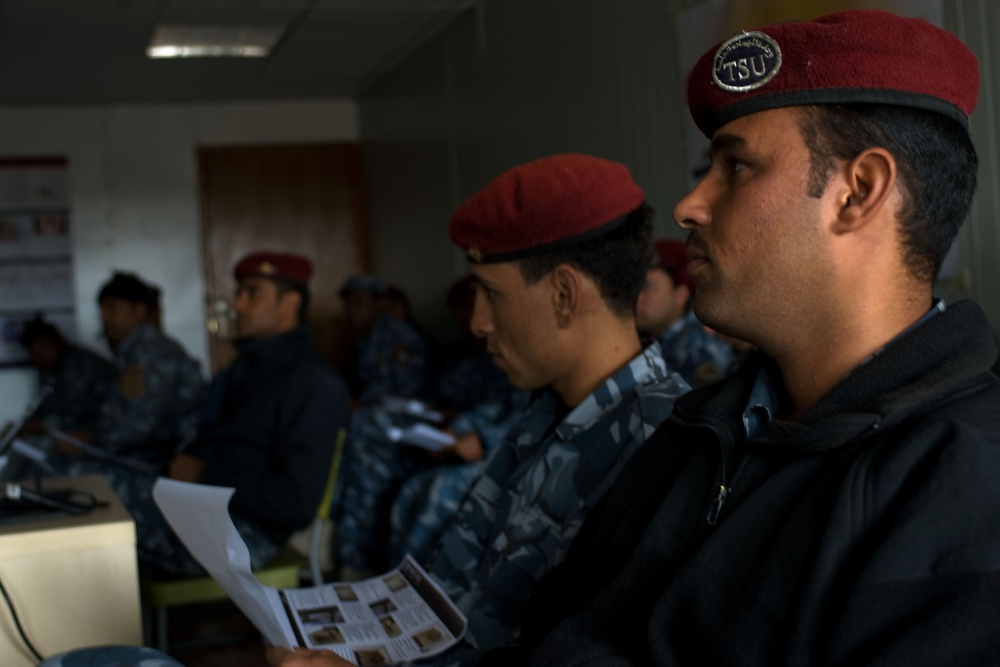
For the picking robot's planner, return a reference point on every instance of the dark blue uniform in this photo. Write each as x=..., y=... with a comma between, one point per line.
x=377, y=467
x=80, y=385
x=272, y=440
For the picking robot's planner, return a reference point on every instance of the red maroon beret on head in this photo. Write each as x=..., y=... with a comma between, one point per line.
x=544, y=205
x=864, y=55
x=672, y=256
x=275, y=265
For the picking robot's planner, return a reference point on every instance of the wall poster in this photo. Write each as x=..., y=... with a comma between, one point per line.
x=36, y=250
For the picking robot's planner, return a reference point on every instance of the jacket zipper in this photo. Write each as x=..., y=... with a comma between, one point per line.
x=725, y=489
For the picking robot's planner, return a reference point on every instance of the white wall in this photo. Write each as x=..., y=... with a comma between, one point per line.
x=134, y=196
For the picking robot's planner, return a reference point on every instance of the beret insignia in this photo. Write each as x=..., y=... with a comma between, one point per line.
x=746, y=62
x=475, y=254
x=275, y=266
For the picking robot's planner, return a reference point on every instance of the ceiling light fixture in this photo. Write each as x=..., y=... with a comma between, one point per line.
x=190, y=41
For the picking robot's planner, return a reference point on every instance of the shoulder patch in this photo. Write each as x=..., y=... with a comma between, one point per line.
x=132, y=381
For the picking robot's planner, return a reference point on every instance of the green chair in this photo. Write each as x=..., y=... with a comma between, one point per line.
x=285, y=570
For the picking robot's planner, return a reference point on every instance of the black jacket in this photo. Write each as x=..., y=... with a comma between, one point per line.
x=273, y=434
x=865, y=532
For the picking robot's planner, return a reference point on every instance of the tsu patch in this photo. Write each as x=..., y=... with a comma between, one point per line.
x=746, y=62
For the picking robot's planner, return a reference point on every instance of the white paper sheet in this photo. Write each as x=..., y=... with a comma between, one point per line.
x=199, y=514
x=422, y=435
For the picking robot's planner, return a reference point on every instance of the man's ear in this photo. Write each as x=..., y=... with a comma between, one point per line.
x=567, y=286
x=868, y=183
x=290, y=302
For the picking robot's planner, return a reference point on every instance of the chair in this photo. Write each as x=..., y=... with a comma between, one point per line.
x=285, y=570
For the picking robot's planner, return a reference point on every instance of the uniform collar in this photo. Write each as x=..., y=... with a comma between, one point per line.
x=646, y=367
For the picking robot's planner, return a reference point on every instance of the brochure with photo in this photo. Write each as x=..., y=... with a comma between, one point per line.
x=395, y=617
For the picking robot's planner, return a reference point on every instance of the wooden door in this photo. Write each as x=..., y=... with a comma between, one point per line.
x=304, y=199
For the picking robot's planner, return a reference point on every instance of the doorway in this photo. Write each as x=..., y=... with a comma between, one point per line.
x=299, y=198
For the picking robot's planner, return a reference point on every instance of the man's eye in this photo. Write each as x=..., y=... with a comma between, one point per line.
x=735, y=165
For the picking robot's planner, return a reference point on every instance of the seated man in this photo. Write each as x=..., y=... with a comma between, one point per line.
x=559, y=248
x=478, y=406
x=664, y=312
x=390, y=355
x=273, y=436
x=77, y=380
x=157, y=401
x=833, y=501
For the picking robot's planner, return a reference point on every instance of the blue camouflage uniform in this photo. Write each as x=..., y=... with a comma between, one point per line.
x=272, y=439
x=522, y=513
x=428, y=501
x=376, y=466
x=157, y=400
x=392, y=360
x=696, y=354
x=80, y=385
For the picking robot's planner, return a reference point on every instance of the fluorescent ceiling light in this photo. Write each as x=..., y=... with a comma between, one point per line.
x=192, y=41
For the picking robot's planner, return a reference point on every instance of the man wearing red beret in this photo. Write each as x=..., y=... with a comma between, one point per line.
x=275, y=414
x=559, y=248
x=664, y=312
x=833, y=501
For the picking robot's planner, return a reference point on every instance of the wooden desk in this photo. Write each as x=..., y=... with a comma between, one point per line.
x=73, y=580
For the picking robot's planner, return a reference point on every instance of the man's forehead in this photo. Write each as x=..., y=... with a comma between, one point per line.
x=253, y=282
x=493, y=274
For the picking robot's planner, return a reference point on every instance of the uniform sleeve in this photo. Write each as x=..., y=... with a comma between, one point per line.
x=144, y=393
x=288, y=493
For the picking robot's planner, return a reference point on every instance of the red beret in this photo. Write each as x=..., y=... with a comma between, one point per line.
x=283, y=266
x=863, y=55
x=672, y=255
x=543, y=205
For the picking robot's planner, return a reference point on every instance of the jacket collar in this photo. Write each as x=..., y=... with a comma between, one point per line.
x=919, y=369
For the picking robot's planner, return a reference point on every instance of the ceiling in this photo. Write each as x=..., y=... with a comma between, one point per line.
x=92, y=52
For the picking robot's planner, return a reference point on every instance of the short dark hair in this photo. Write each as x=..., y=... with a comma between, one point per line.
x=936, y=164
x=128, y=287
x=38, y=328
x=286, y=286
x=616, y=260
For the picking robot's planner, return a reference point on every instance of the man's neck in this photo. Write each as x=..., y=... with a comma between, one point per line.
x=602, y=351
x=813, y=365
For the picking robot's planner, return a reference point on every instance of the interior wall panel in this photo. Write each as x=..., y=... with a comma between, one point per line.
x=519, y=79
x=978, y=274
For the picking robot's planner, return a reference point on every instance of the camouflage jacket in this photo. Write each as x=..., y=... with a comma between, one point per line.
x=489, y=404
x=537, y=488
x=392, y=360
x=80, y=386
x=158, y=398
x=699, y=356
